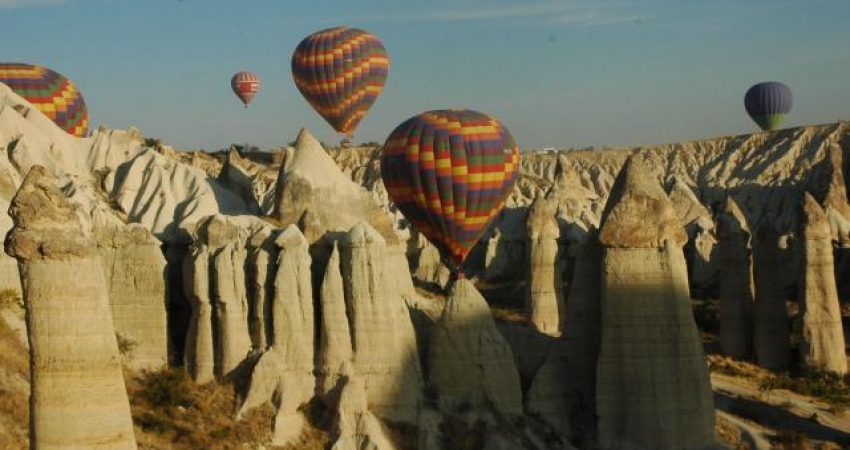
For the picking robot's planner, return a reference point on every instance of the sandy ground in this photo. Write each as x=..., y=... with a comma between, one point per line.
x=759, y=417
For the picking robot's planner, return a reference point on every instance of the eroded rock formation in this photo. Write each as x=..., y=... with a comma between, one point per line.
x=135, y=270
x=544, y=297
x=652, y=388
x=382, y=335
x=821, y=333
x=737, y=291
x=470, y=363
x=771, y=334
x=311, y=190
x=78, y=398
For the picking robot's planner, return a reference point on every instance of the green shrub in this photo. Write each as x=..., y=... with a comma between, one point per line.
x=169, y=388
x=827, y=386
x=10, y=298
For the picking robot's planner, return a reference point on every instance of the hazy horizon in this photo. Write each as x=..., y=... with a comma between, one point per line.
x=558, y=74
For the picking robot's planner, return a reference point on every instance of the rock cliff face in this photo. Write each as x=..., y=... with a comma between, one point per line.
x=78, y=398
x=214, y=279
x=821, y=334
x=652, y=388
x=135, y=270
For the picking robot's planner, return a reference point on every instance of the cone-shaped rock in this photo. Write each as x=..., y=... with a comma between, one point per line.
x=292, y=311
x=78, y=398
x=737, y=290
x=311, y=183
x=544, y=297
x=231, y=304
x=470, y=362
x=821, y=333
x=653, y=389
x=200, y=349
x=638, y=213
x=826, y=184
x=563, y=391
x=357, y=428
x=285, y=370
x=262, y=268
x=382, y=334
x=334, y=337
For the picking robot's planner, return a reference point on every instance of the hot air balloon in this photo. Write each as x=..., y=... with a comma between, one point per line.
x=449, y=172
x=340, y=71
x=768, y=104
x=51, y=93
x=245, y=85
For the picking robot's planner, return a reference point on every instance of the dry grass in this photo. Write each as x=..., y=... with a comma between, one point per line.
x=14, y=397
x=171, y=412
x=729, y=366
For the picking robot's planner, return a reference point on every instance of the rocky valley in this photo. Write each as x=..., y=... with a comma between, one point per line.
x=680, y=296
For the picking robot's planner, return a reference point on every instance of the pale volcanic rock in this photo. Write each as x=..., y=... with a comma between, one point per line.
x=357, y=427
x=563, y=391
x=652, y=389
x=704, y=258
x=262, y=266
x=382, y=334
x=692, y=214
x=309, y=180
x=220, y=280
x=230, y=300
x=78, y=398
x=826, y=185
x=429, y=265
x=821, y=334
x=771, y=336
x=285, y=370
x=135, y=270
x=165, y=196
x=199, y=354
x=335, y=336
x=639, y=214
x=737, y=289
x=470, y=363
x=544, y=296
x=292, y=312
x=250, y=180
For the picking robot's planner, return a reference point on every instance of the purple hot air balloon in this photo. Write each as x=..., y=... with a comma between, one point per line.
x=768, y=104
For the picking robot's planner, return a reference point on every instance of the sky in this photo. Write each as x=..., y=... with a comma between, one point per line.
x=557, y=73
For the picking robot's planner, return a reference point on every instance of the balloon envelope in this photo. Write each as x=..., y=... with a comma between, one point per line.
x=245, y=85
x=340, y=71
x=449, y=172
x=51, y=93
x=768, y=104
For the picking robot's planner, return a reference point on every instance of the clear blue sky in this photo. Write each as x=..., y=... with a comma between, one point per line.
x=557, y=73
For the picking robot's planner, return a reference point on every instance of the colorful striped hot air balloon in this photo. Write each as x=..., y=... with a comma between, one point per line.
x=51, y=93
x=768, y=104
x=245, y=85
x=340, y=71
x=449, y=172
